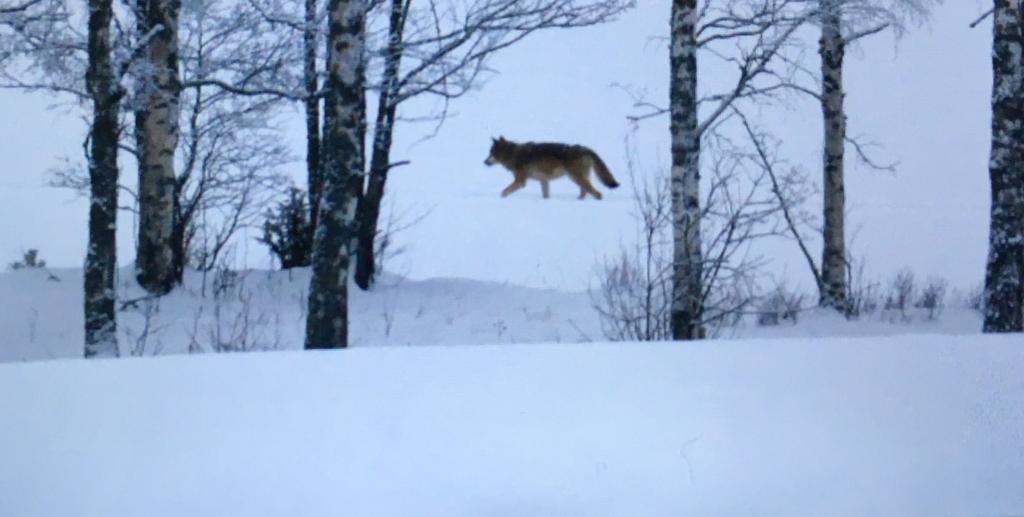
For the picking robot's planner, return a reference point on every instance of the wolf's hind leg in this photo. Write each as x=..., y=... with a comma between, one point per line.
x=545, y=188
x=587, y=188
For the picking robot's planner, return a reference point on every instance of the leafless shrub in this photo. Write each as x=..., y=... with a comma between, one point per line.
x=145, y=341
x=235, y=323
x=902, y=289
x=865, y=295
x=634, y=292
x=781, y=305
x=974, y=299
x=386, y=240
x=932, y=297
x=633, y=301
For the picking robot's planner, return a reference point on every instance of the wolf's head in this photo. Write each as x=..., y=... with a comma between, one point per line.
x=499, y=149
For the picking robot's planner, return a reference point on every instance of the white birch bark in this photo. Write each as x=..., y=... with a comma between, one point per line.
x=327, y=320
x=687, y=298
x=156, y=129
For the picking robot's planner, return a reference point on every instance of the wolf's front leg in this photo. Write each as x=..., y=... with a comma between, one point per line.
x=516, y=185
x=545, y=188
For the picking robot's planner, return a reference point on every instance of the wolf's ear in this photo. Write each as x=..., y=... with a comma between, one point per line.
x=495, y=140
x=501, y=138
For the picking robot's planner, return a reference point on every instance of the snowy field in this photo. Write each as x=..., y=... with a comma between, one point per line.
x=910, y=426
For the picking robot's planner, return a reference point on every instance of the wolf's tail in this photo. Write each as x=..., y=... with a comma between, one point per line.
x=602, y=171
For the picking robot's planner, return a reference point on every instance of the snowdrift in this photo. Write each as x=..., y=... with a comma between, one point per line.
x=914, y=425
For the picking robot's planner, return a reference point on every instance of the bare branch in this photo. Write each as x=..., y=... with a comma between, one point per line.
x=982, y=18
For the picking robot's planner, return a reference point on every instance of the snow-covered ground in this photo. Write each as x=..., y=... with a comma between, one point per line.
x=41, y=315
x=909, y=426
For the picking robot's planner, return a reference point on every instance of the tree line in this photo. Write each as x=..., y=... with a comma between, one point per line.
x=190, y=91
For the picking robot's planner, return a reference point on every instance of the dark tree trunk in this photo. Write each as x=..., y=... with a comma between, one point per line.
x=687, y=285
x=368, y=211
x=156, y=129
x=327, y=320
x=314, y=160
x=1004, y=273
x=179, y=242
x=101, y=256
x=833, y=263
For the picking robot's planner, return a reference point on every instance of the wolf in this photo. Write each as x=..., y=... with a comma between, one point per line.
x=548, y=161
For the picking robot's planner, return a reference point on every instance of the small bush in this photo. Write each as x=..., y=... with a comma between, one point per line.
x=779, y=306
x=933, y=296
x=902, y=288
x=29, y=260
x=288, y=232
x=865, y=296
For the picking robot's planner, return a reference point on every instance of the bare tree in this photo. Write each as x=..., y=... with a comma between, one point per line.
x=310, y=81
x=635, y=294
x=327, y=320
x=156, y=133
x=101, y=256
x=832, y=280
x=368, y=208
x=844, y=22
x=766, y=70
x=687, y=259
x=230, y=148
x=45, y=50
x=1004, y=272
x=757, y=31
x=426, y=47
x=442, y=49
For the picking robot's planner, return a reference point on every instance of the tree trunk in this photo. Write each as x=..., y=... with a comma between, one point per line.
x=327, y=320
x=833, y=262
x=156, y=127
x=101, y=256
x=314, y=163
x=179, y=244
x=1004, y=273
x=368, y=211
x=687, y=284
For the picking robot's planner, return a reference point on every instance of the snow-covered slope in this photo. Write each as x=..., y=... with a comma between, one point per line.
x=41, y=315
x=908, y=426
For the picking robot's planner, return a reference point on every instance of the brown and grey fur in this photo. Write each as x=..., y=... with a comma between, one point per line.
x=549, y=161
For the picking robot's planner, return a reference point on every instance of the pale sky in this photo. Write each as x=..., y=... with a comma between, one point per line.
x=925, y=100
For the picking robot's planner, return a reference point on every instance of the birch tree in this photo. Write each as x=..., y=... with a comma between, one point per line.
x=229, y=152
x=101, y=254
x=843, y=23
x=327, y=319
x=832, y=49
x=685, y=176
x=44, y=49
x=1004, y=272
x=751, y=36
x=156, y=133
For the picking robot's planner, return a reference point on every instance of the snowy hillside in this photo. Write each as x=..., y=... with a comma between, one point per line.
x=41, y=316
x=910, y=426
